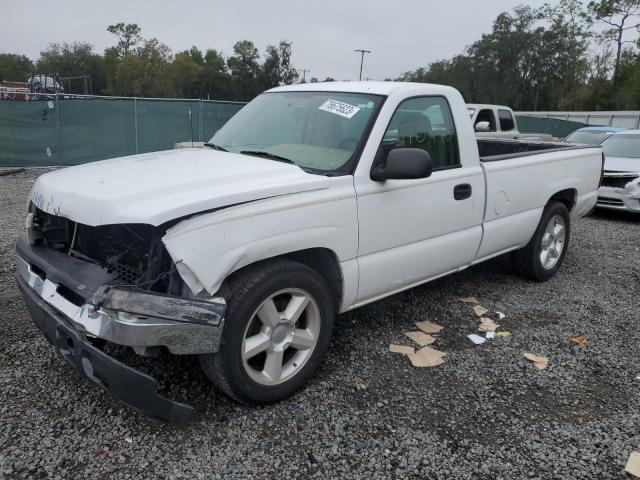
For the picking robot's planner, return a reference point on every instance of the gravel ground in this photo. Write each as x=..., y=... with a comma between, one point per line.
x=484, y=413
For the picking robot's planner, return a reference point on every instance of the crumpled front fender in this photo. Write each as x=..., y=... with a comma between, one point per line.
x=209, y=247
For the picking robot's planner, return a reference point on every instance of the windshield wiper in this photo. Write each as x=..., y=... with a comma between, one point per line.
x=215, y=147
x=271, y=156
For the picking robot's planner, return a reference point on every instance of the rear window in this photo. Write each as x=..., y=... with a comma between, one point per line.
x=506, y=120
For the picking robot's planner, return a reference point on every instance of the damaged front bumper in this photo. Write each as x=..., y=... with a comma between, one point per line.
x=72, y=302
x=131, y=387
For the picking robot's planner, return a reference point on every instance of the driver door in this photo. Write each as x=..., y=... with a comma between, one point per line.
x=413, y=230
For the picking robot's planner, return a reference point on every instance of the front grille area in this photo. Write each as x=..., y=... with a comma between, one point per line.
x=614, y=202
x=133, y=251
x=617, y=182
x=123, y=249
x=125, y=273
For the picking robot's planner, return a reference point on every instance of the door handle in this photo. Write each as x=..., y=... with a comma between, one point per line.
x=462, y=191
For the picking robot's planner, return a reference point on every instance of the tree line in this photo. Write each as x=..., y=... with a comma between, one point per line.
x=568, y=56
x=141, y=67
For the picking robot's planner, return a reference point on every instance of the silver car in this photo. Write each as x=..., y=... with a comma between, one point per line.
x=620, y=188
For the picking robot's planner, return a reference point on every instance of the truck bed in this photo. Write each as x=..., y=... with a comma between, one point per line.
x=493, y=149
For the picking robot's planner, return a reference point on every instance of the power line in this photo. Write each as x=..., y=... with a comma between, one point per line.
x=362, y=52
x=304, y=74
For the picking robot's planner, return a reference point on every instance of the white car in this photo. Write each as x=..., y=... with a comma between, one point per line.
x=313, y=200
x=620, y=188
x=592, y=135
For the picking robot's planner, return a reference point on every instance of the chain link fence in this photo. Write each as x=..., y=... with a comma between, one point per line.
x=558, y=128
x=625, y=119
x=59, y=129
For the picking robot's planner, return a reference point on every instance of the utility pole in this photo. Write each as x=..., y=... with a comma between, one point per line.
x=304, y=74
x=362, y=52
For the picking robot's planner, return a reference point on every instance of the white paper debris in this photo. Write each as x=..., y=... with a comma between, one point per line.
x=633, y=464
x=401, y=349
x=479, y=310
x=428, y=327
x=487, y=325
x=500, y=315
x=490, y=335
x=540, y=362
x=427, y=357
x=471, y=300
x=421, y=338
x=477, y=339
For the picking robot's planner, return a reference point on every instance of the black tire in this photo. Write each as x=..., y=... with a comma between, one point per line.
x=246, y=292
x=527, y=262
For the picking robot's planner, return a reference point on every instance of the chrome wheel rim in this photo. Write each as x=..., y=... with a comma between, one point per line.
x=281, y=336
x=553, y=241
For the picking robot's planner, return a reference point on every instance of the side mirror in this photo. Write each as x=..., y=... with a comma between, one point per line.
x=404, y=164
x=483, y=127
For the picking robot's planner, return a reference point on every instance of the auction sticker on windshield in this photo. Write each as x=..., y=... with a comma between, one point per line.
x=339, y=108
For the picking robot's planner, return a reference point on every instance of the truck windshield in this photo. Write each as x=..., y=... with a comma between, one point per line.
x=318, y=131
x=622, y=146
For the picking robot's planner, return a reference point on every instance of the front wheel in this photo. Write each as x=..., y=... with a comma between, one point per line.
x=277, y=330
x=541, y=258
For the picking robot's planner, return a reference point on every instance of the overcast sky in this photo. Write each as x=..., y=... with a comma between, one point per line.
x=402, y=35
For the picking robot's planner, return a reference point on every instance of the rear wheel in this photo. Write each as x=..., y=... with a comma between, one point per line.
x=541, y=258
x=277, y=329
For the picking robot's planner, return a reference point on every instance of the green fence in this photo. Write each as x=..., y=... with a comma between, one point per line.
x=69, y=131
x=59, y=130
x=554, y=126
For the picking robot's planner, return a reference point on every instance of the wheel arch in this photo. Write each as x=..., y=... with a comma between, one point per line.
x=322, y=260
x=567, y=196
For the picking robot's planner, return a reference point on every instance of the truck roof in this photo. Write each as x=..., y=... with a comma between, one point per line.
x=376, y=88
x=480, y=106
x=628, y=132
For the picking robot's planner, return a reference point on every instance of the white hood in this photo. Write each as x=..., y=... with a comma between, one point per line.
x=154, y=188
x=621, y=164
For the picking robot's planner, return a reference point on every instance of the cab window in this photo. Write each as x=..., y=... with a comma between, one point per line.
x=425, y=123
x=506, y=120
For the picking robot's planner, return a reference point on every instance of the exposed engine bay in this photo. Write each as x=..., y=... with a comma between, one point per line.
x=134, y=252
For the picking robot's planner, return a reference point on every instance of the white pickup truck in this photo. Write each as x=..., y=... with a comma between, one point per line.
x=312, y=200
x=498, y=121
